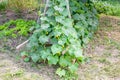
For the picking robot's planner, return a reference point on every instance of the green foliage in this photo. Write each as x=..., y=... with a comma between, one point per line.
x=15, y=28
x=25, y=57
x=3, y=5
x=58, y=39
x=108, y=7
x=104, y=7
x=60, y=72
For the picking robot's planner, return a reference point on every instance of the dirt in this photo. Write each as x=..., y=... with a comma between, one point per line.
x=13, y=15
x=103, y=54
x=13, y=68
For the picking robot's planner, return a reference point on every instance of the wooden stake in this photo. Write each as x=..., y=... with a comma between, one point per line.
x=19, y=46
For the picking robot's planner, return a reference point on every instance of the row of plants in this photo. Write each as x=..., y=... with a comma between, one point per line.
x=65, y=27
x=15, y=28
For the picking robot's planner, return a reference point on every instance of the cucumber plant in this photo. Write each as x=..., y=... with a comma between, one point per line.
x=63, y=31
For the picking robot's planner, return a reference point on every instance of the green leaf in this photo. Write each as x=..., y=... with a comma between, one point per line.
x=78, y=52
x=45, y=54
x=76, y=17
x=66, y=31
x=57, y=31
x=81, y=59
x=75, y=50
x=86, y=40
x=57, y=8
x=68, y=22
x=52, y=59
x=59, y=18
x=64, y=61
x=43, y=39
x=27, y=59
x=82, y=17
x=50, y=12
x=64, y=12
x=45, y=26
x=43, y=19
x=24, y=53
x=56, y=49
x=62, y=40
x=35, y=57
x=73, y=67
x=60, y=72
x=62, y=3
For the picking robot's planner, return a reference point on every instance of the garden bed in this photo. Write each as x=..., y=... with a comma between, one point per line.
x=103, y=52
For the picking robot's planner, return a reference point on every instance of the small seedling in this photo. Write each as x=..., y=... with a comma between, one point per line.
x=25, y=57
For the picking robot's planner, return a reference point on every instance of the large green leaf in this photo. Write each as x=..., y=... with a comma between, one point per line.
x=56, y=49
x=43, y=39
x=76, y=17
x=45, y=26
x=62, y=40
x=35, y=57
x=75, y=50
x=62, y=3
x=64, y=61
x=73, y=67
x=68, y=22
x=57, y=8
x=59, y=18
x=78, y=52
x=50, y=12
x=60, y=72
x=52, y=59
x=64, y=12
x=45, y=54
x=86, y=40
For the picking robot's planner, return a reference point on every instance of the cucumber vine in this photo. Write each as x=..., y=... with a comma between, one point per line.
x=59, y=39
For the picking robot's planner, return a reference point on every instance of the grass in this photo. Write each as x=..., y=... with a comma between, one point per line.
x=3, y=5
x=20, y=75
x=23, y=5
x=19, y=5
x=14, y=74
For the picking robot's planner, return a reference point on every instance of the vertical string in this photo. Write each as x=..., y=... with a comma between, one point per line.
x=68, y=8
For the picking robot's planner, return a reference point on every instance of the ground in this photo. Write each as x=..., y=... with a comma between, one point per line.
x=103, y=54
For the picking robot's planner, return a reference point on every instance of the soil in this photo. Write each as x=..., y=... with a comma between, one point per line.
x=103, y=54
x=12, y=15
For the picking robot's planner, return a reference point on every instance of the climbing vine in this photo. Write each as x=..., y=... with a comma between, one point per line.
x=65, y=27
